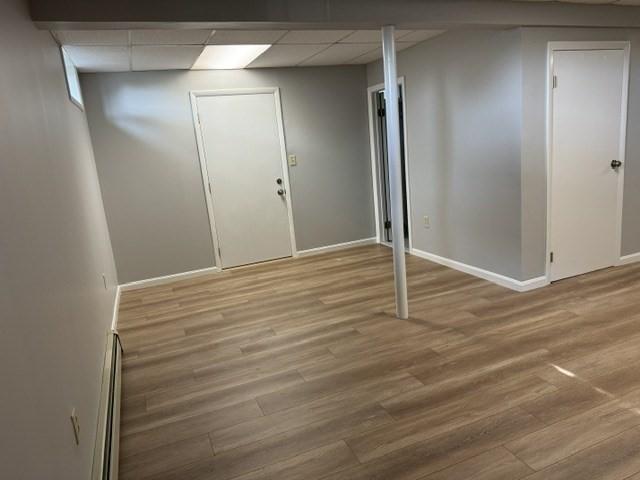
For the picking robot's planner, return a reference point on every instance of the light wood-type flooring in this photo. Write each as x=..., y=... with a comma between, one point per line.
x=297, y=369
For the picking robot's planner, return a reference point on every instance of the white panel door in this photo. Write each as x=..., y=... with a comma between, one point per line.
x=244, y=158
x=587, y=109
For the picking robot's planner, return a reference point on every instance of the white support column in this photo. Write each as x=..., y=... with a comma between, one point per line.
x=392, y=115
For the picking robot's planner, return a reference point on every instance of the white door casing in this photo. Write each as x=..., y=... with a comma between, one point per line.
x=242, y=154
x=376, y=174
x=588, y=120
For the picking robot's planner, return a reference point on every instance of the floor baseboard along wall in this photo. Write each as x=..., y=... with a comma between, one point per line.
x=338, y=246
x=151, y=282
x=627, y=259
x=502, y=280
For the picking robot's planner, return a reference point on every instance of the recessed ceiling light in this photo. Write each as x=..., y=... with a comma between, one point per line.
x=226, y=57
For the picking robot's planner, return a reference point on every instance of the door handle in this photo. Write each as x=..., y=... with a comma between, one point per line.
x=616, y=164
x=280, y=192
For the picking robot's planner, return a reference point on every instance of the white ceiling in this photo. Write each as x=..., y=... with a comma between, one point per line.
x=137, y=50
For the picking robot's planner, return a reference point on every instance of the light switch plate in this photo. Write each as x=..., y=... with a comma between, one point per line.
x=293, y=161
x=427, y=222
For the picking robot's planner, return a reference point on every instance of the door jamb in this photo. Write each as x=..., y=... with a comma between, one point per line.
x=275, y=91
x=375, y=155
x=586, y=45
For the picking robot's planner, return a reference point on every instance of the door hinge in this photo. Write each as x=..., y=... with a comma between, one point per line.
x=381, y=112
x=219, y=252
x=387, y=224
x=555, y=81
x=210, y=192
x=551, y=257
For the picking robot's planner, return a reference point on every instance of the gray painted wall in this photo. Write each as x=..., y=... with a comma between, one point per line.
x=463, y=97
x=54, y=246
x=476, y=106
x=147, y=160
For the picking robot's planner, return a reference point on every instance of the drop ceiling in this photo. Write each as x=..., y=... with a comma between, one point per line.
x=140, y=50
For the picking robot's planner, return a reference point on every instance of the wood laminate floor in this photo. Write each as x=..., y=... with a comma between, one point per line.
x=297, y=369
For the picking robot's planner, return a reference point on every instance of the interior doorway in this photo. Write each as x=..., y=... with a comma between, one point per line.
x=244, y=169
x=380, y=163
x=588, y=99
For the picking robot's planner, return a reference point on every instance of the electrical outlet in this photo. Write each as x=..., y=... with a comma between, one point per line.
x=427, y=222
x=104, y=280
x=293, y=161
x=75, y=423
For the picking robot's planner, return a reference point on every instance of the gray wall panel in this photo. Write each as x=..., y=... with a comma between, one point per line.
x=476, y=104
x=463, y=96
x=54, y=247
x=150, y=174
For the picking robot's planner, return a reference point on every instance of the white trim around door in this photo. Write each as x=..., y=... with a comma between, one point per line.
x=375, y=155
x=275, y=91
x=585, y=45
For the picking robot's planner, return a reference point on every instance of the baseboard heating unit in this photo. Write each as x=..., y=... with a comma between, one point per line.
x=105, y=459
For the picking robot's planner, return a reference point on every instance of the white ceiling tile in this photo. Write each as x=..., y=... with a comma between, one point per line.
x=92, y=37
x=313, y=36
x=169, y=37
x=168, y=57
x=99, y=58
x=286, y=55
x=377, y=53
x=179, y=49
x=339, y=54
x=402, y=45
x=246, y=37
x=367, y=57
x=370, y=36
x=419, y=35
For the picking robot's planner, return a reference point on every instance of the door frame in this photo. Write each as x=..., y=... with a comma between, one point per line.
x=553, y=47
x=275, y=91
x=375, y=160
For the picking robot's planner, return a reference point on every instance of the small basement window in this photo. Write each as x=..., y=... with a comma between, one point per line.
x=73, y=81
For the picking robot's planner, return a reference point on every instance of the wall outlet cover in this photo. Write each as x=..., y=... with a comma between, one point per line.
x=293, y=161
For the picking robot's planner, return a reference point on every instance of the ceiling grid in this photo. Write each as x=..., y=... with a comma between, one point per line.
x=172, y=49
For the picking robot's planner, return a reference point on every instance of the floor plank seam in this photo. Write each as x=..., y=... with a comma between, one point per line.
x=465, y=339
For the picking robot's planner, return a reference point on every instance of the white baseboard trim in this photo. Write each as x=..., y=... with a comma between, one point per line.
x=338, y=246
x=627, y=259
x=116, y=308
x=152, y=282
x=504, y=281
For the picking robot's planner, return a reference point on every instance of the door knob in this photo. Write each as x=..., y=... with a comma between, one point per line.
x=279, y=181
x=616, y=164
x=280, y=192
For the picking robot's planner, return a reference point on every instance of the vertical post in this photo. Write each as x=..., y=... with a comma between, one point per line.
x=395, y=169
